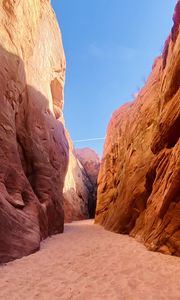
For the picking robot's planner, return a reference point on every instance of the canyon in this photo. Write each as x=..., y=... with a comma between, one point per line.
x=111, y=211
x=45, y=182
x=139, y=180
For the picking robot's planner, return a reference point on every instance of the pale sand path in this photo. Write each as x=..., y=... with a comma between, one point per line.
x=87, y=262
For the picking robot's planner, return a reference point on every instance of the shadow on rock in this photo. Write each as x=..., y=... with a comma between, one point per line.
x=33, y=163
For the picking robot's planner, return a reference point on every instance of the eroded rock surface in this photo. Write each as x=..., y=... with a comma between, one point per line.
x=139, y=181
x=34, y=150
x=77, y=188
x=91, y=163
x=80, y=185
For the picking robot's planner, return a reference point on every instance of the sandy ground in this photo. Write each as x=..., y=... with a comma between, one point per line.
x=87, y=262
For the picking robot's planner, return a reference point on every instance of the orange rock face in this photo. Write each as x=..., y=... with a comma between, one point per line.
x=139, y=180
x=91, y=163
x=77, y=188
x=34, y=151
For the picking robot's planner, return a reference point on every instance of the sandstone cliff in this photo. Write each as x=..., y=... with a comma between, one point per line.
x=139, y=180
x=91, y=163
x=77, y=188
x=40, y=176
x=33, y=147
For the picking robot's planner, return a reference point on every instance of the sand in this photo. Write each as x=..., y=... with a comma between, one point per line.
x=87, y=262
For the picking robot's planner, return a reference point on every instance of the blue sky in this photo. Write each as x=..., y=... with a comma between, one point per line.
x=110, y=46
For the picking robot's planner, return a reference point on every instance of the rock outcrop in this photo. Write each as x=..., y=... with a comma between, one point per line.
x=77, y=188
x=91, y=163
x=139, y=180
x=80, y=184
x=34, y=150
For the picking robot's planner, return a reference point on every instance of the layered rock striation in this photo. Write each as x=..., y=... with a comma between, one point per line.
x=139, y=180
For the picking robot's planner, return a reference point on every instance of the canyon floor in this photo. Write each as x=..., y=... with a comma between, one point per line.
x=87, y=262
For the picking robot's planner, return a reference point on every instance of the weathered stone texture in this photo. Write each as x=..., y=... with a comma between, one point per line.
x=139, y=181
x=33, y=147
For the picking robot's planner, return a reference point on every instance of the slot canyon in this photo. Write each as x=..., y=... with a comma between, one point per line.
x=74, y=225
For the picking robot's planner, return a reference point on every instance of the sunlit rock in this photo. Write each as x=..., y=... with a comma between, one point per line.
x=139, y=180
x=34, y=150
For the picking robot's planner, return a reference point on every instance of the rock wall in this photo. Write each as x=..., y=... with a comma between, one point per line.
x=34, y=151
x=139, y=180
x=40, y=176
x=80, y=185
x=91, y=163
x=77, y=188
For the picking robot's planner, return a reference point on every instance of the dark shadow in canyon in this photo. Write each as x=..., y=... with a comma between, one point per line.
x=34, y=155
